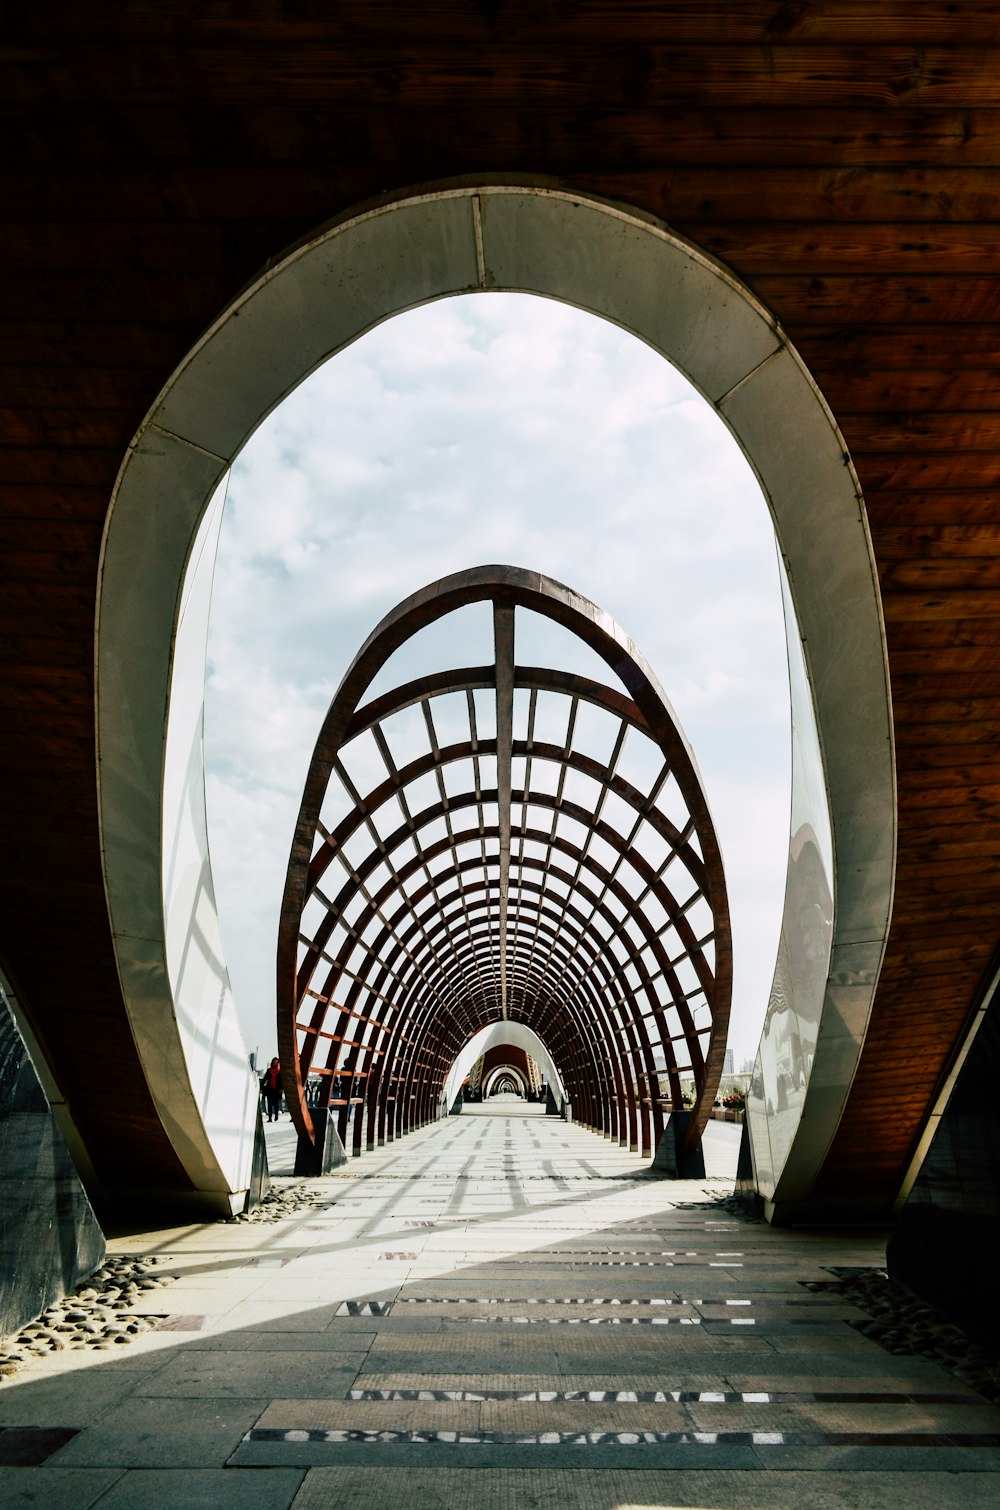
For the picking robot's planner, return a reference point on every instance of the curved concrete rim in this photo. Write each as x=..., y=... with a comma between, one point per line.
x=498, y=1073
x=516, y=1033
x=409, y=249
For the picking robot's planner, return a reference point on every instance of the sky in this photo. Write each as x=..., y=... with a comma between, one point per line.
x=507, y=429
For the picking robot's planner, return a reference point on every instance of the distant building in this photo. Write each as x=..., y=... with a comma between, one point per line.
x=727, y=1065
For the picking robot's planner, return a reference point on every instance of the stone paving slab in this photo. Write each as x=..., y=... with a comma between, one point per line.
x=60, y=1399
x=49, y=1488
x=322, y=1415
x=848, y=1344
x=352, y=1349
x=256, y=1376
x=915, y=1417
x=225, y=1376
x=776, y=1370
x=129, y=1359
x=152, y=1433
x=533, y=1381
x=681, y=1459
x=584, y=1365
x=564, y=1416
x=618, y=1489
x=280, y=1316
x=513, y=1358
x=204, y=1489
x=911, y=1463
x=912, y=1376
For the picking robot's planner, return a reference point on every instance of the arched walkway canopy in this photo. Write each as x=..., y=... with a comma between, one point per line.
x=506, y=1057
x=182, y=1052
x=523, y=862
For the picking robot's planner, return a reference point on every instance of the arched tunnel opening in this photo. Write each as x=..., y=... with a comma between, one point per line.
x=541, y=855
x=505, y=1069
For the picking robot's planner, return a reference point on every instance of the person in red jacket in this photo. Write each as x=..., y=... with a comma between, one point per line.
x=270, y=1084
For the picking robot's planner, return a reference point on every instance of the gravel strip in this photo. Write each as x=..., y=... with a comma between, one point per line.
x=287, y=1198
x=901, y=1322
x=100, y=1313
x=909, y=1328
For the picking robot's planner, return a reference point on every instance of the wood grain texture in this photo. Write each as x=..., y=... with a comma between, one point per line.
x=842, y=158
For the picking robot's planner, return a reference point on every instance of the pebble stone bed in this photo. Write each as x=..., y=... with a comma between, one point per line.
x=286, y=1198
x=903, y=1324
x=906, y=1326
x=99, y=1312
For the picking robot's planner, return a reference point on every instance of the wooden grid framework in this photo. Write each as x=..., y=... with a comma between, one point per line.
x=510, y=864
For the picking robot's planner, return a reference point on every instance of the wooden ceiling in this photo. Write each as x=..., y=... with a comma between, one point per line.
x=842, y=158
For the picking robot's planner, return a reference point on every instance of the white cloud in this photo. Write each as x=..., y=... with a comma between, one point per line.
x=493, y=428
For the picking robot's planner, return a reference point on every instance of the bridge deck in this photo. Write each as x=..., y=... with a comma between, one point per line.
x=503, y=1310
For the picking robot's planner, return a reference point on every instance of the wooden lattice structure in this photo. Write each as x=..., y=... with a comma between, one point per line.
x=513, y=863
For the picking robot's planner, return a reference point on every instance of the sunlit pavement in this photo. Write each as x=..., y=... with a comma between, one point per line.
x=501, y=1310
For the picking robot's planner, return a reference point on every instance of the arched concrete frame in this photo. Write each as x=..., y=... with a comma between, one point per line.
x=400, y=252
x=495, y=1080
x=517, y=1033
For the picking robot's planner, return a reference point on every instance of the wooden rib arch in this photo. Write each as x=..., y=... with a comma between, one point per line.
x=504, y=899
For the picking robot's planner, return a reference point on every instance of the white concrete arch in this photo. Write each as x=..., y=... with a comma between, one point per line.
x=363, y=268
x=515, y=1033
x=503, y=1072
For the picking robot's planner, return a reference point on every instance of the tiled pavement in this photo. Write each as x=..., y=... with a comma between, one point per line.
x=498, y=1311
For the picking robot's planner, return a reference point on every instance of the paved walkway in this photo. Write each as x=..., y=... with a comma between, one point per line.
x=500, y=1311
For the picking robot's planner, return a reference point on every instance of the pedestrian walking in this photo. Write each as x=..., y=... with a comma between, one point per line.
x=270, y=1084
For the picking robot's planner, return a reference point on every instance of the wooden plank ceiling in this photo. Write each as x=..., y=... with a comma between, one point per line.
x=842, y=158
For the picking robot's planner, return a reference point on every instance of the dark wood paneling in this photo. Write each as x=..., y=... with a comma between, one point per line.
x=844, y=158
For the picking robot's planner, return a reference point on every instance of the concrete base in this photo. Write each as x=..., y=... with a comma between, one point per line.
x=746, y=1180
x=260, y=1175
x=947, y=1235
x=551, y=1104
x=457, y=1105
x=328, y=1151
x=672, y=1158
x=50, y=1238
